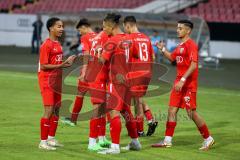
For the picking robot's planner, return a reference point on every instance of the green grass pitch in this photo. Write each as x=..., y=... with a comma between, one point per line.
x=21, y=109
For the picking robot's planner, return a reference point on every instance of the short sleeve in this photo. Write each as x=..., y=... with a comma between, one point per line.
x=44, y=54
x=174, y=54
x=193, y=52
x=85, y=44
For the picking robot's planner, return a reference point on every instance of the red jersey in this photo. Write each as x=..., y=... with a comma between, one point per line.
x=117, y=51
x=86, y=41
x=96, y=71
x=50, y=53
x=184, y=54
x=142, y=57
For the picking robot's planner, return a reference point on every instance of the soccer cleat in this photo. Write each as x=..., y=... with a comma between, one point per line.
x=151, y=128
x=136, y=146
x=141, y=134
x=207, y=144
x=163, y=144
x=68, y=121
x=96, y=147
x=104, y=143
x=45, y=146
x=110, y=151
x=54, y=143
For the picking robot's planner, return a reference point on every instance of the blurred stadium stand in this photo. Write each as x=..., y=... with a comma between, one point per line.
x=227, y=11
x=210, y=17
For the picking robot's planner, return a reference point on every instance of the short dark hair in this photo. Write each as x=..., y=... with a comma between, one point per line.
x=187, y=23
x=112, y=17
x=51, y=22
x=83, y=22
x=130, y=19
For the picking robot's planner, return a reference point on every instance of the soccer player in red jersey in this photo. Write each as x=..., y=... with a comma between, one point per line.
x=141, y=72
x=96, y=76
x=117, y=52
x=50, y=82
x=87, y=34
x=184, y=91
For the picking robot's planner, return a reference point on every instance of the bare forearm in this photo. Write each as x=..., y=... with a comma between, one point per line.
x=50, y=66
x=167, y=54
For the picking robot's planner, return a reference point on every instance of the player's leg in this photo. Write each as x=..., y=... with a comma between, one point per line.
x=48, y=102
x=152, y=123
x=199, y=121
x=139, y=116
x=114, y=106
x=44, y=127
x=77, y=107
x=54, y=123
x=102, y=140
x=170, y=127
x=115, y=131
x=130, y=123
x=98, y=120
x=82, y=89
x=175, y=103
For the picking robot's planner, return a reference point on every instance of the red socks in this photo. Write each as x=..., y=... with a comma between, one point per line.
x=148, y=115
x=170, y=126
x=139, y=120
x=94, y=128
x=204, y=131
x=77, y=108
x=102, y=126
x=115, y=129
x=44, y=124
x=130, y=122
x=53, y=125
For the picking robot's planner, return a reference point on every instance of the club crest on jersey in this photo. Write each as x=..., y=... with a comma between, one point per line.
x=181, y=50
x=59, y=58
x=187, y=100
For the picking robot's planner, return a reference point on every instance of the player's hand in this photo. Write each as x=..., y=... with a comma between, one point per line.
x=120, y=78
x=70, y=59
x=160, y=45
x=179, y=85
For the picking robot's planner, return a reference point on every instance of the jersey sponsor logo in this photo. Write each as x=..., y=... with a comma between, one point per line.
x=58, y=58
x=181, y=50
x=179, y=59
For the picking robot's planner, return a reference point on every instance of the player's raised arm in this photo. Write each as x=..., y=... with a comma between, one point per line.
x=164, y=51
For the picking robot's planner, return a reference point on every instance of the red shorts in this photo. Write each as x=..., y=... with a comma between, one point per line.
x=51, y=91
x=139, y=83
x=138, y=91
x=83, y=87
x=184, y=99
x=97, y=92
x=118, y=97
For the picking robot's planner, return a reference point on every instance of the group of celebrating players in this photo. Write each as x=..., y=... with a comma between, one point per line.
x=117, y=70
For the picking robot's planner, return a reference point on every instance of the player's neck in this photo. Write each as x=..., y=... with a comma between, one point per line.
x=53, y=38
x=135, y=30
x=184, y=39
x=117, y=31
x=90, y=30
